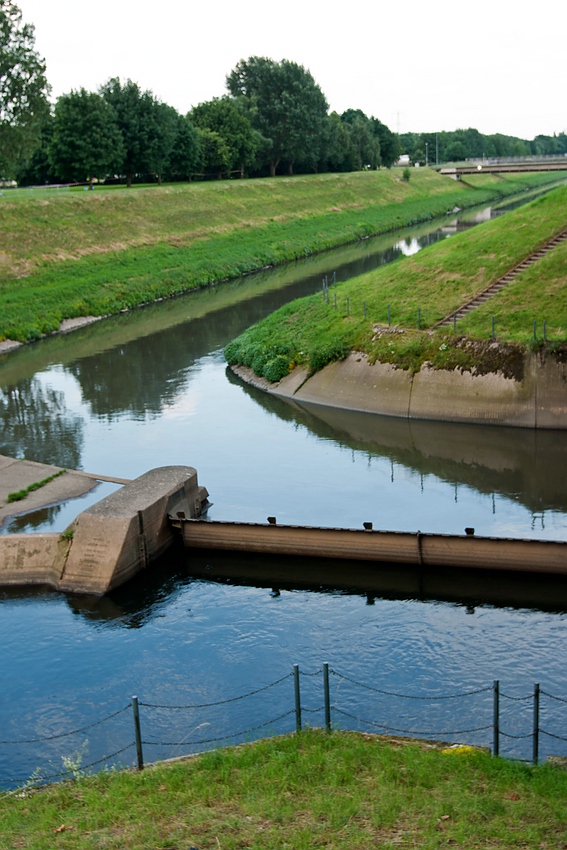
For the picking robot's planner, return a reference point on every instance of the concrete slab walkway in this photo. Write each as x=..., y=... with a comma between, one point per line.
x=18, y=474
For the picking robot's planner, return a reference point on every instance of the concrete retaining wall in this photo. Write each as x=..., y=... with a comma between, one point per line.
x=537, y=401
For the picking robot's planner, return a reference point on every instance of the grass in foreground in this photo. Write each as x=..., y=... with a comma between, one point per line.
x=103, y=252
x=343, y=790
x=423, y=289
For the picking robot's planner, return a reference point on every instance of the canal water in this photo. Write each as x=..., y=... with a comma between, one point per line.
x=151, y=388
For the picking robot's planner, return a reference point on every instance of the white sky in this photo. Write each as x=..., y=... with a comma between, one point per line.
x=494, y=64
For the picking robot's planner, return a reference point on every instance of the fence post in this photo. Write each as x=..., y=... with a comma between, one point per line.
x=419, y=318
x=544, y=330
x=535, y=758
x=327, y=697
x=454, y=323
x=389, y=316
x=535, y=328
x=297, y=698
x=348, y=306
x=137, y=733
x=364, y=308
x=335, y=299
x=334, y=278
x=496, y=718
x=493, y=327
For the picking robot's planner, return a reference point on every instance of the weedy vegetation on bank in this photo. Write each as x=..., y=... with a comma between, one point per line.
x=98, y=253
x=417, y=292
x=342, y=791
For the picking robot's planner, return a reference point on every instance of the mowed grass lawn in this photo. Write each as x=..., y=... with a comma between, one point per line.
x=421, y=290
x=344, y=791
x=95, y=253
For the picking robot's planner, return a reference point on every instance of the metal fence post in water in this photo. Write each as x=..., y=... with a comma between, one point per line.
x=138, y=734
x=535, y=757
x=297, y=698
x=326, y=696
x=496, y=717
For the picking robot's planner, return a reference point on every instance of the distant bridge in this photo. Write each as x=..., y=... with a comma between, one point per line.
x=501, y=166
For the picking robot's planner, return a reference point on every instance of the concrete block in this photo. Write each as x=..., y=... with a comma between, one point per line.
x=355, y=384
x=121, y=534
x=31, y=558
x=483, y=399
x=551, y=398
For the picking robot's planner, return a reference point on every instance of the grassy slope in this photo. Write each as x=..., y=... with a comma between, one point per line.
x=96, y=253
x=436, y=281
x=539, y=293
x=313, y=790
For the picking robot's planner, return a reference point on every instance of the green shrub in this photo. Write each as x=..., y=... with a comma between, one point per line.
x=276, y=369
x=261, y=358
x=322, y=355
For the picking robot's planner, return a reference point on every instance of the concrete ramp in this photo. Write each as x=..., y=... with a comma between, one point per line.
x=127, y=530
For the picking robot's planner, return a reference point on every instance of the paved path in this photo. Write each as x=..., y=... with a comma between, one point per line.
x=18, y=474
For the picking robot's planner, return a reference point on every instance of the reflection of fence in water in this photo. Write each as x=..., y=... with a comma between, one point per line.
x=152, y=725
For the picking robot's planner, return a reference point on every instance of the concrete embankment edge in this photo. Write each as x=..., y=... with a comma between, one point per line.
x=539, y=400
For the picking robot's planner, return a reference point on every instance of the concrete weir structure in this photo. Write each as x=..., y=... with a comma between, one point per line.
x=110, y=541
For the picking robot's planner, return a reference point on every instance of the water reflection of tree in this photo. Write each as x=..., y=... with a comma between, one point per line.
x=36, y=423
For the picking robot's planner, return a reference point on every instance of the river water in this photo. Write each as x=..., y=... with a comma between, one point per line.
x=151, y=388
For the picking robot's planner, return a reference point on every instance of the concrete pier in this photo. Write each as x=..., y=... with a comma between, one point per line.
x=109, y=542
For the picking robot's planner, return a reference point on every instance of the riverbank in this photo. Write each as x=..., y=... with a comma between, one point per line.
x=343, y=790
x=401, y=365
x=530, y=395
x=79, y=257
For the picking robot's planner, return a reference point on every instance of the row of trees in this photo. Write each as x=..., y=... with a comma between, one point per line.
x=274, y=119
x=470, y=144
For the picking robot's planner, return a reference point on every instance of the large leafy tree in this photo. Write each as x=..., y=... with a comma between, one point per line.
x=148, y=127
x=86, y=142
x=364, y=145
x=390, y=148
x=185, y=155
x=288, y=107
x=215, y=153
x=23, y=88
x=223, y=116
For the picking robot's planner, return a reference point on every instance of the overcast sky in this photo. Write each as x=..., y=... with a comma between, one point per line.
x=492, y=64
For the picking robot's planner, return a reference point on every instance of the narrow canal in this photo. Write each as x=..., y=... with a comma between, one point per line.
x=151, y=388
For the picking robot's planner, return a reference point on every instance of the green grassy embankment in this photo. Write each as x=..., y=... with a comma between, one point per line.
x=94, y=253
x=311, y=333
x=343, y=791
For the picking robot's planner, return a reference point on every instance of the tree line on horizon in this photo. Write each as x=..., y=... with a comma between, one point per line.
x=274, y=119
